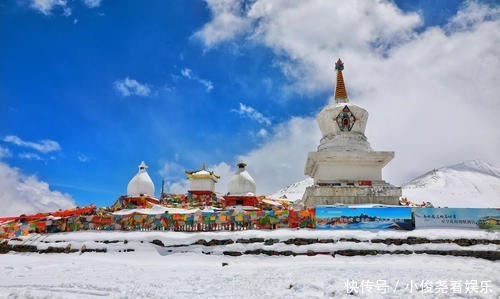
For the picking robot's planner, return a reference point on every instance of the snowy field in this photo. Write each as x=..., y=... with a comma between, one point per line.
x=151, y=272
x=191, y=275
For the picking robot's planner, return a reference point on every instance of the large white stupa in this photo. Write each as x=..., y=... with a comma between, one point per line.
x=242, y=182
x=345, y=168
x=141, y=183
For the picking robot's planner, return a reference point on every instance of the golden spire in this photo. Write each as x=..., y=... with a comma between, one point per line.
x=340, y=92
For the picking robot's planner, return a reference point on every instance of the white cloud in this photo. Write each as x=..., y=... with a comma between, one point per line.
x=188, y=74
x=306, y=49
x=175, y=181
x=208, y=84
x=82, y=158
x=5, y=152
x=432, y=93
x=23, y=194
x=252, y=113
x=278, y=162
x=177, y=187
x=46, y=6
x=226, y=23
x=92, y=3
x=472, y=14
x=30, y=156
x=262, y=133
x=128, y=87
x=281, y=159
x=171, y=170
x=226, y=172
x=43, y=146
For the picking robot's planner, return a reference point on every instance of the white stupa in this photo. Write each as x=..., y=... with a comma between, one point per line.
x=345, y=168
x=141, y=183
x=242, y=182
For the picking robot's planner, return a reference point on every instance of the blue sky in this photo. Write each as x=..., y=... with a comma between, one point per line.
x=108, y=84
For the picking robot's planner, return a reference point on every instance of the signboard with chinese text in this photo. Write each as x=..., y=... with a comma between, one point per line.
x=457, y=217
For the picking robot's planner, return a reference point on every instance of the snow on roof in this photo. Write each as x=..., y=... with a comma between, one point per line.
x=272, y=202
x=201, y=172
x=158, y=209
x=155, y=210
x=242, y=208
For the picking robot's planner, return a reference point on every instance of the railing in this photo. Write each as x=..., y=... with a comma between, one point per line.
x=218, y=221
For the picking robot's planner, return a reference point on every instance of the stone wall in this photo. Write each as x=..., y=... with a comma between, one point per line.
x=318, y=195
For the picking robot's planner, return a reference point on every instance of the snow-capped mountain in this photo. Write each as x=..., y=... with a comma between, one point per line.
x=294, y=191
x=468, y=184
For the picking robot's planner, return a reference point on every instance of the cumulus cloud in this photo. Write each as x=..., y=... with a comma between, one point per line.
x=46, y=6
x=278, y=162
x=253, y=114
x=226, y=172
x=227, y=22
x=173, y=174
x=129, y=87
x=5, y=152
x=30, y=156
x=177, y=187
x=83, y=158
x=43, y=146
x=305, y=49
x=472, y=14
x=262, y=133
x=281, y=159
x=92, y=3
x=188, y=74
x=26, y=194
x=171, y=170
x=431, y=92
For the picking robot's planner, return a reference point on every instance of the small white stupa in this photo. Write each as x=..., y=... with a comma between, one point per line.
x=141, y=183
x=242, y=182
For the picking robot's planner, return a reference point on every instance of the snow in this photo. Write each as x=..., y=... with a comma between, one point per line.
x=171, y=238
x=152, y=271
x=294, y=191
x=148, y=274
x=158, y=209
x=469, y=184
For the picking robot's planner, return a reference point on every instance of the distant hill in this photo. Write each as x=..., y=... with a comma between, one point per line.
x=468, y=184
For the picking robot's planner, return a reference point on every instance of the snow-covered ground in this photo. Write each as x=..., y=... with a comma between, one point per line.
x=153, y=272
x=472, y=184
x=191, y=275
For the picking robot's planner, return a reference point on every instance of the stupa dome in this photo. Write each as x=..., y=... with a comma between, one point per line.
x=242, y=182
x=342, y=123
x=141, y=183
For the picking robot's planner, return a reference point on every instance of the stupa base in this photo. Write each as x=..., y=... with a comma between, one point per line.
x=351, y=195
